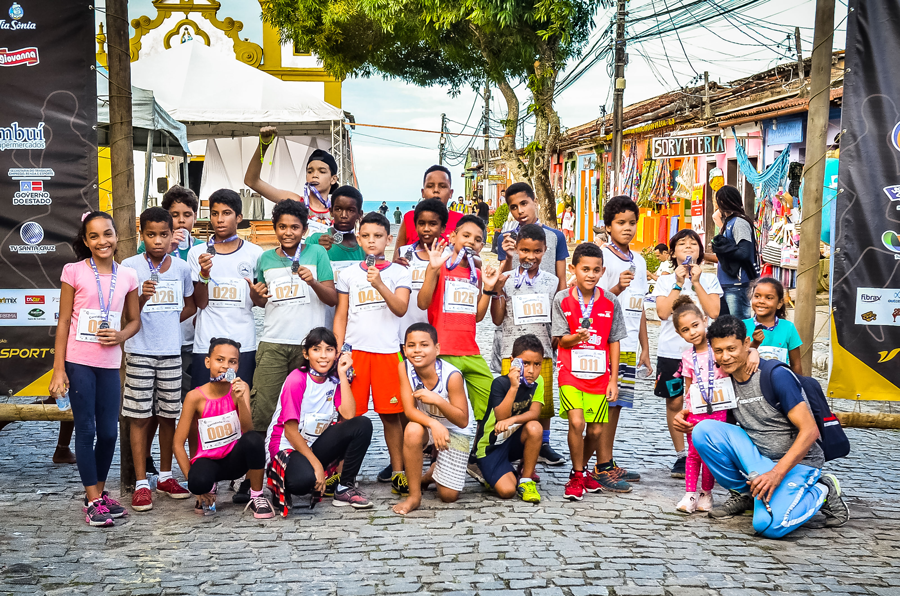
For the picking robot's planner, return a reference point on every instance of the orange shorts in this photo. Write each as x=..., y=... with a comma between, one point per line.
x=378, y=373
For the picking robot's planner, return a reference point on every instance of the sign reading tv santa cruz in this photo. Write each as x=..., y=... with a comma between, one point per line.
x=663, y=147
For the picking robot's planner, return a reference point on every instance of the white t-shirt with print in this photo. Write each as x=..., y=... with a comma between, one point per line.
x=414, y=314
x=671, y=345
x=632, y=298
x=371, y=326
x=229, y=311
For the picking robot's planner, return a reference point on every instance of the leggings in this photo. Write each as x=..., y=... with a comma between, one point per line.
x=94, y=393
x=694, y=463
x=348, y=440
x=248, y=454
x=729, y=453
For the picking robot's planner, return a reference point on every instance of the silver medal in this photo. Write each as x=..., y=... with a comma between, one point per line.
x=419, y=386
x=295, y=267
x=211, y=250
x=154, y=277
x=103, y=325
x=632, y=268
x=230, y=375
x=526, y=265
x=469, y=252
x=408, y=255
x=370, y=260
x=337, y=237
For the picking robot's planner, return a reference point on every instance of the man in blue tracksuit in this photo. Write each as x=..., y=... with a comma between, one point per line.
x=772, y=463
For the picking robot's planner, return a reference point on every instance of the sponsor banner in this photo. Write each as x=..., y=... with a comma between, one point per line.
x=668, y=147
x=866, y=257
x=48, y=170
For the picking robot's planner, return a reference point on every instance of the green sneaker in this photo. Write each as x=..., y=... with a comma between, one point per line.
x=528, y=492
x=399, y=484
x=331, y=484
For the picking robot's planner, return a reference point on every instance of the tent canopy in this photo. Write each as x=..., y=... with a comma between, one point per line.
x=217, y=96
x=169, y=135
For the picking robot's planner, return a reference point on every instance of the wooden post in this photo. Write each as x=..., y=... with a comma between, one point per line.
x=121, y=145
x=814, y=173
x=800, y=70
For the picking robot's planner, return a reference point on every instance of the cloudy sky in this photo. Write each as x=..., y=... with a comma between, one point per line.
x=390, y=163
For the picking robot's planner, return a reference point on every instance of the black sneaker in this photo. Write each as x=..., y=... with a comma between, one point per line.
x=242, y=494
x=151, y=466
x=626, y=475
x=96, y=514
x=834, y=508
x=112, y=507
x=550, y=457
x=737, y=504
x=678, y=468
x=386, y=474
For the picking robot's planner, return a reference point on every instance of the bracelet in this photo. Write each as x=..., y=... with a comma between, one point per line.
x=490, y=293
x=204, y=280
x=677, y=287
x=262, y=146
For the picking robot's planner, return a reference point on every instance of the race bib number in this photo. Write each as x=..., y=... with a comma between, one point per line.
x=167, y=298
x=531, y=308
x=501, y=437
x=773, y=353
x=417, y=271
x=314, y=425
x=365, y=298
x=588, y=364
x=430, y=409
x=722, y=398
x=460, y=297
x=219, y=431
x=89, y=323
x=227, y=293
x=338, y=266
x=633, y=305
x=289, y=290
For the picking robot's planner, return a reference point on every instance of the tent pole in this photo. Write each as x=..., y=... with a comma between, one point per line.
x=184, y=168
x=148, y=162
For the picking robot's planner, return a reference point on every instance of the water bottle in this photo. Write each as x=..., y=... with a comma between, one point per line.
x=63, y=403
x=153, y=480
x=185, y=242
x=642, y=372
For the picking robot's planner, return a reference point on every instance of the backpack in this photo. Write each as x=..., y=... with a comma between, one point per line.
x=832, y=439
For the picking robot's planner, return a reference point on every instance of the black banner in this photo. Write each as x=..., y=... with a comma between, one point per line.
x=48, y=173
x=866, y=277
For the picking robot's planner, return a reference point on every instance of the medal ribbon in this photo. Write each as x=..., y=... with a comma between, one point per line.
x=705, y=392
x=522, y=277
x=104, y=310
x=629, y=257
x=758, y=324
x=585, y=310
x=470, y=260
x=416, y=381
x=295, y=260
x=310, y=188
x=156, y=269
x=212, y=240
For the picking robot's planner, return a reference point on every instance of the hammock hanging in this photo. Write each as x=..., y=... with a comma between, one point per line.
x=767, y=182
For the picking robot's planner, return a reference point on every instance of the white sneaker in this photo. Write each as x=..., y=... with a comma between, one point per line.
x=705, y=501
x=688, y=503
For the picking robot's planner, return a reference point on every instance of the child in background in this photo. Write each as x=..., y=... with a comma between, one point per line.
x=568, y=224
x=705, y=291
x=95, y=295
x=700, y=372
x=436, y=184
x=315, y=425
x=587, y=332
x=774, y=336
x=372, y=299
x=229, y=449
x=665, y=265
x=434, y=402
x=153, y=355
x=295, y=287
x=510, y=430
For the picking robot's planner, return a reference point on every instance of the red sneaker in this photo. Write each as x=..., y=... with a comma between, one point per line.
x=591, y=485
x=574, y=488
x=171, y=487
x=142, y=500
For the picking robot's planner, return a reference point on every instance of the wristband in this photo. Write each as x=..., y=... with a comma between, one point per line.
x=262, y=146
x=676, y=287
x=490, y=293
x=204, y=280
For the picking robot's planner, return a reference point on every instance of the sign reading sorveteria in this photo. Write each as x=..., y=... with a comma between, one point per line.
x=668, y=147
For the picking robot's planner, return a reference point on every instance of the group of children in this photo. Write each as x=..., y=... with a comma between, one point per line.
x=343, y=323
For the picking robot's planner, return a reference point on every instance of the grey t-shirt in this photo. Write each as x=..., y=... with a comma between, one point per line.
x=559, y=326
x=534, y=302
x=768, y=427
x=160, y=333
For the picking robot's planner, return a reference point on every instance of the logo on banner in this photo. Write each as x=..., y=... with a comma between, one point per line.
x=32, y=234
x=36, y=313
x=895, y=136
x=887, y=355
x=868, y=298
x=892, y=242
x=31, y=192
x=26, y=56
x=892, y=192
x=16, y=12
x=34, y=300
x=31, y=173
x=8, y=316
x=17, y=137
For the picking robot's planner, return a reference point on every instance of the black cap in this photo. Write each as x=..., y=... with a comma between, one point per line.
x=324, y=156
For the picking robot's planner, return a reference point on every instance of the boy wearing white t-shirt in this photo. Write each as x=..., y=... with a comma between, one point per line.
x=224, y=293
x=372, y=298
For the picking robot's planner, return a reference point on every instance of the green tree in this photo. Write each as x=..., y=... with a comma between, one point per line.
x=452, y=44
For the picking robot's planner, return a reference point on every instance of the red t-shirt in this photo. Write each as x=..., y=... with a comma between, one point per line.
x=588, y=374
x=456, y=330
x=412, y=235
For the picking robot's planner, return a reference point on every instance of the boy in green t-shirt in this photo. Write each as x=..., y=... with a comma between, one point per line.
x=340, y=241
x=295, y=285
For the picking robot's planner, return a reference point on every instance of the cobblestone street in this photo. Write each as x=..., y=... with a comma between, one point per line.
x=607, y=544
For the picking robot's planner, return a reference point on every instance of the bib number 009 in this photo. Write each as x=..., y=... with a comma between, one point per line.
x=219, y=432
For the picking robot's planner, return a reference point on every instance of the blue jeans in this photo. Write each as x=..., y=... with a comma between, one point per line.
x=94, y=393
x=729, y=453
x=737, y=300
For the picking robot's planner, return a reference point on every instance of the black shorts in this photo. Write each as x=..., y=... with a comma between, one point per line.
x=498, y=462
x=669, y=383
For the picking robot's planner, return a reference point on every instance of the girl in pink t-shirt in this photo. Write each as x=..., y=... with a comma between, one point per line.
x=698, y=367
x=98, y=311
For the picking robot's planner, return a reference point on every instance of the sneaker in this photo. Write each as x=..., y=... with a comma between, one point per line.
x=352, y=497
x=387, y=474
x=142, y=500
x=528, y=492
x=591, y=485
x=574, y=487
x=198, y=508
x=834, y=508
x=399, y=484
x=331, y=484
x=705, y=501
x=475, y=472
x=626, y=475
x=113, y=507
x=678, y=468
x=534, y=475
x=171, y=487
x=96, y=514
x=737, y=504
x=550, y=457
x=151, y=466
x=242, y=494
x=261, y=507
x=610, y=481
x=688, y=503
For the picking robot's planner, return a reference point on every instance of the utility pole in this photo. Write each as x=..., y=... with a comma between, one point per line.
x=487, y=138
x=442, y=141
x=814, y=173
x=800, y=68
x=121, y=145
x=707, y=110
x=618, y=95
